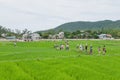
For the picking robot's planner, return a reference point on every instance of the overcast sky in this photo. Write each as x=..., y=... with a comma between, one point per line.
x=46, y=14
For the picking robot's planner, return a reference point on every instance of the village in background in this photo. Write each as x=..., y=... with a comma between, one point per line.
x=26, y=35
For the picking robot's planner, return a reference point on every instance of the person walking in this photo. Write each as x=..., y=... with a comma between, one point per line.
x=67, y=46
x=86, y=47
x=81, y=47
x=91, y=49
x=104, y=50
x=15, y=44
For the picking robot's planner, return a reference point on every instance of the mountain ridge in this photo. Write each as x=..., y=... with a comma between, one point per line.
x=86, y=25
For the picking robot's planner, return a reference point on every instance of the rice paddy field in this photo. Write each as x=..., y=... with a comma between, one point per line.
x=41, y=61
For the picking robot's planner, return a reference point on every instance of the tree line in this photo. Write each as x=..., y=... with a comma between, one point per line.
x=9, y=32
x=80, y=34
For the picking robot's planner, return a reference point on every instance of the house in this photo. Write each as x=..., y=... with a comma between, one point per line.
x=53, y=36
x=61, y=35
x=105, y=36
x=26, y=37
x=31, y=37
x=3, y=35
x=11, y=38
x=57, y=36
x=50, y=36
x=35, y=36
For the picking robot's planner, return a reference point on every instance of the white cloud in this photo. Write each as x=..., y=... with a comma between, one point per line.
x=46, y=14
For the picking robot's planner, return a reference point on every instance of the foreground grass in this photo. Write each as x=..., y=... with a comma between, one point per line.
x=40, y=61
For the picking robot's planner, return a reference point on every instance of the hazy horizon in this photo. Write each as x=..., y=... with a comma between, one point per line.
x=42, y=15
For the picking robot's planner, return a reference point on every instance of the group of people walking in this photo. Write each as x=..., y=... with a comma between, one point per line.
x=62, y=46
x=81, y=48
x=90, y=50
x=102, y=50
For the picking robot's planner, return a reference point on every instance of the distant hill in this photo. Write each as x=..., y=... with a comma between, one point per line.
x=87, y=25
